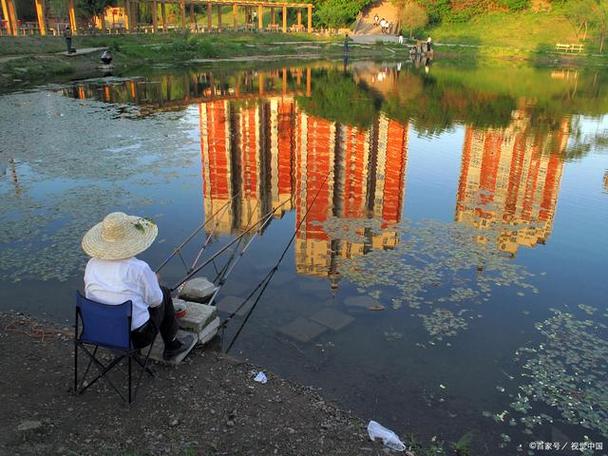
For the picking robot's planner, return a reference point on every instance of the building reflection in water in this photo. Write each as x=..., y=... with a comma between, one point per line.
x=509, y=182
x=261, y=150
x=268, y=152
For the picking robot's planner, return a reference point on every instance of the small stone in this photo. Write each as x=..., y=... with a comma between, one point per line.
x=229, y=423
x=29, y=425
x=174, y=422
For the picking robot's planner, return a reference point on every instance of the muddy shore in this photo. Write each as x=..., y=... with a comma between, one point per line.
x=208, y=405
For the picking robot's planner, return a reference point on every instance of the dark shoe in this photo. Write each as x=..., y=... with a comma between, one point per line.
x=184, y=344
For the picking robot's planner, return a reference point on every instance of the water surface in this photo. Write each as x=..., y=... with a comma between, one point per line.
x=448, y=271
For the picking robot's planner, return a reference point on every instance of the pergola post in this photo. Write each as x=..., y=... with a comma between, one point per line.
x=72, y=16
x=8, y=11
x=309, y=18
x=261, y=84
x=163, y=13
x=299, y=19
x=128, y=13
x=234, y=14
x=284, y=18
x=6, y=17
x=182, y=13
x=209, y=17
x=273, y=16
x=154, y=18
x=219, y=16
x=40, y=16
x=260, y=18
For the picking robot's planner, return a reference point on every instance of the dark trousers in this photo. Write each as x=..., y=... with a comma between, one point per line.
x=162, y=318
x=68, y=43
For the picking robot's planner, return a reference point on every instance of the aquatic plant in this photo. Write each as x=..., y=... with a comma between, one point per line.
x=566, y=372
x=433, y=264
x=83, y=160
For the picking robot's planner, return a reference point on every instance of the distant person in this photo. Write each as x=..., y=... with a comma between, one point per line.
x=401, y=39
x=346, y=40
x=67, y=33
x=429, y=44
x=106, y=57
x=376, y=19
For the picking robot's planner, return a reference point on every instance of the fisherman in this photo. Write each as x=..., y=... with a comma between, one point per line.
x=67, y=33
x=114, y=275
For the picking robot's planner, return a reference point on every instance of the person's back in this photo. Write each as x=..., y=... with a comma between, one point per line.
x=114, y=275
x=117, y=281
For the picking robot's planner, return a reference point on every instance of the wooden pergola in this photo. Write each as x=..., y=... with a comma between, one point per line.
x=10, y=15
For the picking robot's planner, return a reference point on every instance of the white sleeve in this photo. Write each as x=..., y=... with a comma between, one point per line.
x=153, y=295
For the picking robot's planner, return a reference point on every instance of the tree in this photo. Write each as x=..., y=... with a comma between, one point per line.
x=338, y=13
x=413, y=17
x=94, y=7
x=580, y=14
x=600, y=20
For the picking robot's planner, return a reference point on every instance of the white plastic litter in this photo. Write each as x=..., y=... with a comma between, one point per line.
x=389, y=438
x=260, y=378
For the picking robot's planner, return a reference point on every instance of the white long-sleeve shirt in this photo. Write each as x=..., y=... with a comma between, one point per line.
x=117, y=281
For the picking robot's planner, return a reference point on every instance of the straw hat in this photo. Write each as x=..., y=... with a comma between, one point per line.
x=119, y=236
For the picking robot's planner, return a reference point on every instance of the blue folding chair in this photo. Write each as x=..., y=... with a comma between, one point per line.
x=108, y=327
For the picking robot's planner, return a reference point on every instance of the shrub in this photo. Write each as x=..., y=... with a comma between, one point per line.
x=338, y=13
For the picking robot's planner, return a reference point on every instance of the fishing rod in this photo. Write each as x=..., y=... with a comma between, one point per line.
x=195, y=271
x=195, y=232
x=221, y=273
x=267, y=279
x=230, y=264
x=202, y=250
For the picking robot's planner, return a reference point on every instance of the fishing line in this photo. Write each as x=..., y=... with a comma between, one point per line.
x=266, y=280
x=195, y=232
x=263, y=220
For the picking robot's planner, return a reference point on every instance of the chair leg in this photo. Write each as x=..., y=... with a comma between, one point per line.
x=104, y=369
x=86, y=372
x=144, y=366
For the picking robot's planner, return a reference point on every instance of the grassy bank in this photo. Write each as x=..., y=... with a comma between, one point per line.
x=516, y=35
x=35, y=59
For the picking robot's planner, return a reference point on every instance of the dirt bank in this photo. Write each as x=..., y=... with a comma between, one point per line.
x=208, y=405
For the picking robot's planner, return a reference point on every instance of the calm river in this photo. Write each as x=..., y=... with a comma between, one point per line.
x=448, y=276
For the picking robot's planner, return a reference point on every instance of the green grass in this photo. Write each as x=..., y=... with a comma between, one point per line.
x=525, y=31
x=45, y=45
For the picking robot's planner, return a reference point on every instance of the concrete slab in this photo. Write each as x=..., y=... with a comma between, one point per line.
x=332, y=319
x=229, y=304
x=198, y=316
x=198, y=289
x=209, y=331
x=157, y=349
x=302, y=329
